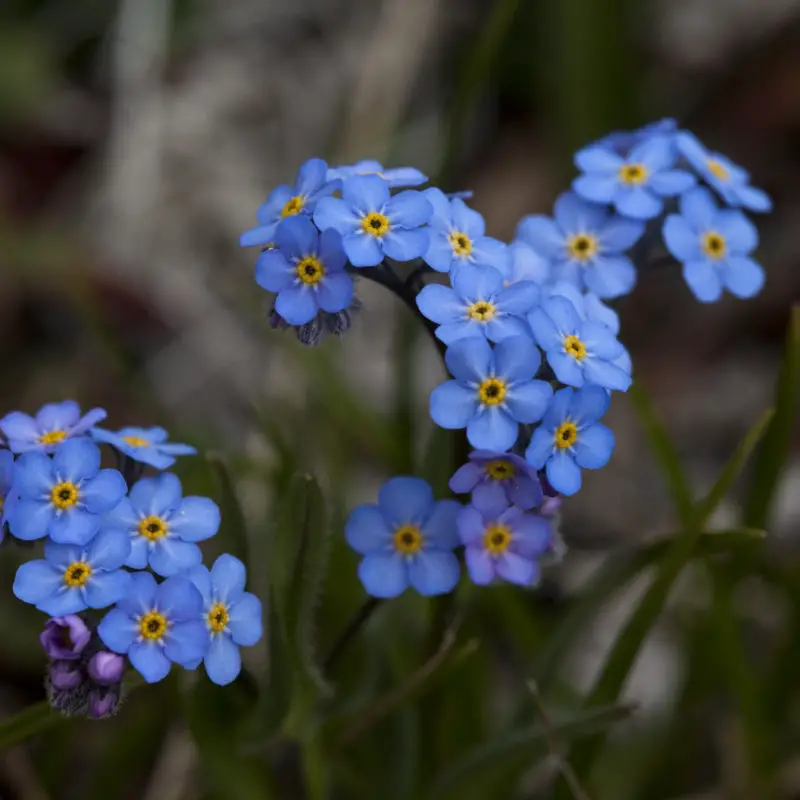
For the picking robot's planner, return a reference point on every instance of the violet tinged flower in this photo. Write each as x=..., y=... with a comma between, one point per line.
x=396, y=177
x=106, y=668
x=52, y=424
x=65, y=638
x=146, y=445
x=103, y=701
x=67, y=688
x=622, y=142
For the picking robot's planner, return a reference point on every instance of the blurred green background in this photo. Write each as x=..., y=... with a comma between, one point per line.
x=138, y=137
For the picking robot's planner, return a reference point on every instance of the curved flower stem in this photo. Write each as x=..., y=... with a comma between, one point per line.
x=357, y=622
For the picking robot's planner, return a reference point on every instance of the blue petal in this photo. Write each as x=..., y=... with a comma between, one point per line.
x=297, y=237
x=186, y=642
x=142, y=595
x=563, y=473
x=156, y=496
x=104, y=492
x=471, y=526
x=228, y=575
x=518, y=299
x=33, y=475
x=610, y=277
x=544, y=330
x=467, y=220
x=588, y=405
x=699, y=209
x=516, y=359
x=404, y=500
x=542, y=234
x=297, y=304
x=88, y=420
x=573, y=214
x=703, y=279
x=63, y=602
x=563, y=313
x=599, y=340
x=637, y=202
x=452, y=405
x=58, y=416
x=740, y=234
x=619, y=233
x=489, y=497
x=311, y=176
x=527, y=265
x=222, y=661
x=405, y=245
x=263, y=234
x=527, y=402
x=117, y=630
x=140, y=553
x=365, y=193
x=366, y=530
x=489, y=252
x=273, y=271
x=244, y=620
x=434, y=572
x=198, y=518
x=200, y=576
x=331, y=251
x=505, y=327
x=172, y=557
x=75, y=526
x=106, y=588
x=598, y=159
x=742, y=276
x=594, y=446
x=404, y=176
x=109, y=549
x=20, y=427
x=76, y=459
x=540, y=448
x=149, y=661
x=179, y=599
x=672, y=182
x=440, y=304
x=61, y=555
x=681, y=240
x=597, y=188
x=558, y=409
x=532, y=535
x=331, y=212
x=656, y=153
x=362, y=250
x=454, y=331
x=473, y=283
x=493, y=429
x=752, y=198
x=480, y=565
x=466, y=477
x=566, y=368
x=409, y=209
x=469, y=360
x=439, y=254
x=441, y=216
x=383, y=575
x=36, y=580
x=440, y=529
x=516, y=569
x=122, y=517
x=604, y=373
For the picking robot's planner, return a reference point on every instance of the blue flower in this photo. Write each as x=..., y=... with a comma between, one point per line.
x=457, y=236
x=157, y=624
x=6, y=483
x=478, y=305
x=623, y=142
x=503, y=545
x=730, y=181
x=635, y=185
x=526, y=265
x=578, y=351
x=373, y=224
x=52, y=424
x=395, y=177
x=407, y=538
x=286, y=201
x=570, y=437
x=306, y=270
x=146, y=445
x=63, y=496
x=585, y=244
x=162, y=526
x=72, y=578
x=232, y=616
x=714, y=246
x=492, y=392
x=497, y=480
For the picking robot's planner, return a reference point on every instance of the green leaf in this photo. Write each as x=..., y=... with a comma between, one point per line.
x=473, y=775
x=29, y=722
x=233, y=528
x=707, y=506
x=774, y=451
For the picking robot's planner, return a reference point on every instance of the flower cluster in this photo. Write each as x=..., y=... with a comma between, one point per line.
x=107, y=533
x=529, y=341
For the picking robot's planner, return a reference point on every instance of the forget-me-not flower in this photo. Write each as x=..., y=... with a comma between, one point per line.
x=478, y=305
x=396, y=177
x=406, y=539
x=458, y=236
x=52, y=424
x=306, y=270
x=6, y=483
x=715, y=246
x=492, y=391
x=163, y=526
x=635, y=184
x=373, y=224
x=285, y=201
x=585, y=244
x=63, y=496
x=623, y=142
x=71, y=578
x=146, y=445
x=570, y=437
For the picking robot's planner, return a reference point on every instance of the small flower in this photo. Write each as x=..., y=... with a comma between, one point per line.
x=65, y=637
x=6, y=483
x=103, y=701
x=505, y=545
x=231, y=615
x=287, y=201
x=731, y=182
x=578, y=351
x=63, y=496
x=406, y=539
x=146, y=445
x=526, y=265
x=457, y=237
x=497, y=480
x=72, y=578
x=306, y=270
x=162, y=526
x=106, y=668
x=622, y=142
x=570, y=438
x=714, y=246
x=478, y=305
x=67, y=688
x=394, y=177
x=636, y=184
x=52, y=424
x=373, y=224
x=585, y=244
x=65, y=675
x=157, y=624
x=492, y=391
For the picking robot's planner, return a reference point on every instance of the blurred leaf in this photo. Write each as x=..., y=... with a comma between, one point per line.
x=404, y=393
x=27, y=71
x=707, y=506
x=233, y=529
x=472, y=776
x=774, y=451
x=27, y=723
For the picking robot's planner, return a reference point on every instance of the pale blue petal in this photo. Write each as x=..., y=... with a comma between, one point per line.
x=297, y=237
x=610, y=276
x=404, y=500
x=703, y=279
x=311, y=176
x=558, y=409
x=140, y=553
x=404, y=176
x=149, y=661
x=362, y=250
x=383, y=575
x=273, y=272
x=573, y=214
x=297, y=304
x=186, y=642
x=598, y=159
x=441, y=208
x=434, y=572
x=493, y=429
x=469, y=360
x=542, y=234
x=331, y=251
x=505, y=327
x=20, y=427
x=471, y=526
x=672, y=182
x=439, y=254
x=637, y=202
x=466, y=220
x=532, y=535
x=63, y=602
x=465, y=477
x=619, y=233
x=76, y=459
x=156, y=496
x=540, y=448
x=440, y=529
x=222, y=661
x=109, y=549
x=597, y=188
x=453, y=331
x=563, y=313
x=699, y=208
x=516, y=359
x=480, y=565
x=106, y=588
x=681, y=240
x=594, y=446
x=588, y=405
x=141, y=596
x=36, y=580
x=527, y=265
x=197, y=518
x=740, y=234
x=331, y=212
x=409, y=209
x=473, y=283
x=440, y=304
x=117, y=630
x=179, y=599
x=366, y=530
x=33, y=475
x=263, y=234
x=604, y=373
x=104, y=492
x=656, y=153
x=335, y=292
x=563, y=473
x=75, y=526
x=742, y=276
x=173, y=556
x=489, y=497
x=566, y=368
x=58, y=416
x=544, y=329
x=200, y=576
x=518, y=299
x=599, y=340
x=452, y=405
x=752, y=198
x=489, y=252
x=527, y=402
x=228, y=575
x=244, y=620
x=516, y=569
x=405, y=245
x=365, y=193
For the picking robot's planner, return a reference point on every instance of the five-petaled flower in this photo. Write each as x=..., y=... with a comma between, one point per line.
x=406, y=539
x=146, y=445
x=394, y=176
x=52, y=424
x=570, y=437
x=374, y=224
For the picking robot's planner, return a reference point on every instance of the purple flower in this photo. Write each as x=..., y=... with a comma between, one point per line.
x=497, y=480
x=65, y=637
x=106, y=668
x=103, y=702
x=52, y=424
x=65, y=675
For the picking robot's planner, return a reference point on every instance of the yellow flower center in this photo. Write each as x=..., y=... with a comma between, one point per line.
x=574, y=347
x=77, y=574
x=375, y=224
x=408, y=539
x=461, y=243
x=492, y=392
x=293, y=206
x=496, y=539
x=566, y=434
x=135, y=441
x=714, y=245
x=633, y=174
x=482, y=311
x=310, y=270
x=500, y=469
x=717, y=169
x=217, y=617
x=152, y=528
x=152, y=625
x=53, y=437
x=64, y=495
x=583, y=246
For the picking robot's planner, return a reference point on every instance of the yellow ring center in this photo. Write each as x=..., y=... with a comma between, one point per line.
x=408, y=539
x=53, y=437
x=152, y=625
x=64, y=495
x=482, y=311
x=293, y=206
x=492, y=392
x=717, y=169
x=566, y=435
x=375, y=224
x=633, y=174
x=574, y=347
x=77, y=574
x=461, y=243
x=583, y=246
x=497, y=539
x=152, y=528
x=714, y=245
x=310, y=270
x=135, y=441
x=500, y=469
x=218, y=617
